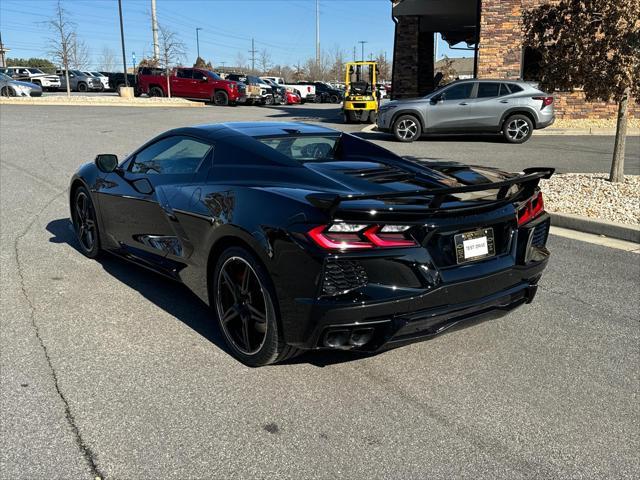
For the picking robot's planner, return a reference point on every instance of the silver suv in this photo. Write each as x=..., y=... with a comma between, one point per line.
x=513, y=108
x=79, y=81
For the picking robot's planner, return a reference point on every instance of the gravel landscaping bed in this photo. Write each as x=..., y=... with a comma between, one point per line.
x=609, y=123
x=592, y=195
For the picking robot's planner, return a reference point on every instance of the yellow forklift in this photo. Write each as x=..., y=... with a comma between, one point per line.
x=361, y=98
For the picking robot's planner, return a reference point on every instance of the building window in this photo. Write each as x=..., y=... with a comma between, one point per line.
x=531, y=58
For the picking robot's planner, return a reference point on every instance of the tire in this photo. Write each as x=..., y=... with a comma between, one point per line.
x=7, y=92
x=85, y=223
x=268, y=100
x=82, y=87
x=156, y=92
x=517, y=129
x=221, y=98
x=407, y=128
x=373, y=116
x=334, y=99
x=37, y=82
x=246, y=308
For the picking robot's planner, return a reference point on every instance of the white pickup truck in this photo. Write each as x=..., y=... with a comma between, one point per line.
x=307, y=92
x=33, y=75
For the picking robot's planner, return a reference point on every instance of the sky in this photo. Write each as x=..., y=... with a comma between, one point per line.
x=285, y=28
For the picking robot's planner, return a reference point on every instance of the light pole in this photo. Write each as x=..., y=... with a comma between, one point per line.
x=124, y=55
x=362, y=42
x=198, y=41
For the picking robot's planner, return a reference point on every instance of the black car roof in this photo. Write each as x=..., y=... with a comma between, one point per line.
x=216, y=131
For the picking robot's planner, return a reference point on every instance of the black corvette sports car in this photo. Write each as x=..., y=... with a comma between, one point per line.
x=302, y=237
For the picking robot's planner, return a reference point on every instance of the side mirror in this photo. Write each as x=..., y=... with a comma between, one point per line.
x=106, y=162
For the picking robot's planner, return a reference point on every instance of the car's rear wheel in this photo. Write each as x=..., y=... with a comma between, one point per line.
x=517, y=129
x=268, y=100
x=82, y=87
x=407, y=128
x=156, y=92
x=83, y=217
x=221, y=98
x=7, y=92
x=245, y=304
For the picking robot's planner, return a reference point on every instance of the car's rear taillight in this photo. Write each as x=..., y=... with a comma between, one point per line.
x=309, y=89
x=343, y=236
x=546, y=101
x=531, y=209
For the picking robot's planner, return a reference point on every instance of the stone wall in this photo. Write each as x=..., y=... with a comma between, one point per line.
x=500, y=56
x=412, y=59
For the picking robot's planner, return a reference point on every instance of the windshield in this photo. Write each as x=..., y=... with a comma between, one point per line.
x=215, y=76
x=35, y=70
x=304, y=148
x=95, y=74
x=78, y=73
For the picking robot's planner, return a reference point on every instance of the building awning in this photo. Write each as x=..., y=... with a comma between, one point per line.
x=456, y=20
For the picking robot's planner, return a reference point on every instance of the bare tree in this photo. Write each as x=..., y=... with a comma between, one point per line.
x=78, y=53
x=264, y=60
x=241, y=60
x=172, y=52
x=337, y=68
x=63, y=31
x=107, y=60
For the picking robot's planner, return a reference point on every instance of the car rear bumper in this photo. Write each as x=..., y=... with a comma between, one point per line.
x=545, y=122
x=400, y=321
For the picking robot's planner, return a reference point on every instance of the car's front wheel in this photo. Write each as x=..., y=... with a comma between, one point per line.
x=407, y=128
x=83, y=217
x=245, y=304
x=82, y=87
x=517, y=129
x=221, y=98
x=7, y=92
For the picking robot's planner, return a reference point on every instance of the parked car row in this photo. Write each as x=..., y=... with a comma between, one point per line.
x=185, y=82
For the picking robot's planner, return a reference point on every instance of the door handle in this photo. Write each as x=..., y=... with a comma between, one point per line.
x=504, y=101
x=463, y=103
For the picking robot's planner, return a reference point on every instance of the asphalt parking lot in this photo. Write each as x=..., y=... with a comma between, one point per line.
x=110, y=371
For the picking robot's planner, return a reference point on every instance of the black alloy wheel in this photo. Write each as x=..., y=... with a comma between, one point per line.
x=82, y=87
x=156, y=92
x=245, y=307
x=7, y=92
x=83, y=216
x=221, y=98
x=334, y=98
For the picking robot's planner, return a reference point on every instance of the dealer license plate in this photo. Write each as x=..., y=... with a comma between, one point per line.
x=475, y=245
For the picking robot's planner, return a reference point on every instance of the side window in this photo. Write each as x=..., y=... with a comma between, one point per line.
x=514, y=87
x=173, y=155
x=459, y=92
x=488, y=89
x=185, y=73
x=198, y=75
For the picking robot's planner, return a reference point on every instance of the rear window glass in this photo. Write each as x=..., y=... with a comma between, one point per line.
x=304, y=148
x=486, y=90
x=514, y=88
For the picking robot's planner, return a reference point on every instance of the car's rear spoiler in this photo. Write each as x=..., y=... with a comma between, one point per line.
x=529, y=178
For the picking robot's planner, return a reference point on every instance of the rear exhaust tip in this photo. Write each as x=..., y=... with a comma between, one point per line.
x=361, y=337
x=337, y=339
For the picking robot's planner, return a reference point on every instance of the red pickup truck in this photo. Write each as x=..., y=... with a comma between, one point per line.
x=195, y=83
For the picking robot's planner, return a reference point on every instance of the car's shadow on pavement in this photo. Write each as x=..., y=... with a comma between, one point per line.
x=300, y=113
x=457, y=137
x=176, y=299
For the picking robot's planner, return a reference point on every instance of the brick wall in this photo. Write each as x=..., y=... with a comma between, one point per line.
x=412, y=60
x=500, y=56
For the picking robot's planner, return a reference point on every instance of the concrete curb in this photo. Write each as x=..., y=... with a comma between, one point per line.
x=125, y=103
x=631, y=132
x=630, y=233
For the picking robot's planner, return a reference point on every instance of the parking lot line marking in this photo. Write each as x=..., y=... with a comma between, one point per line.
x=369, y=128
x=596, y=239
